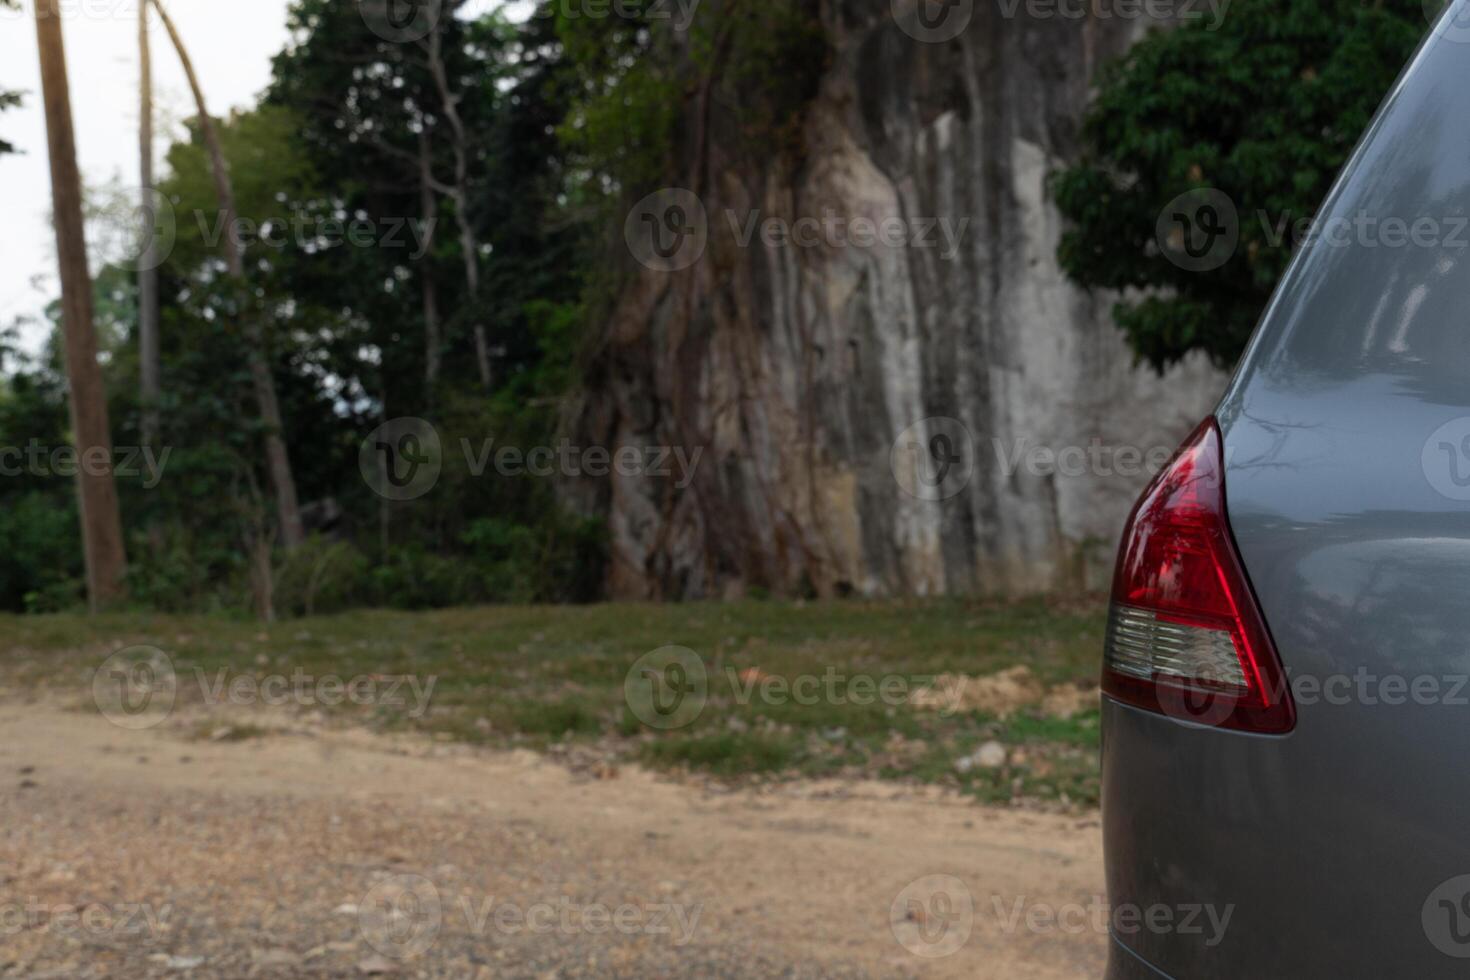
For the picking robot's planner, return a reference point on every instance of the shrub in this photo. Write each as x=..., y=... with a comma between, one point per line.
x=1266, y=106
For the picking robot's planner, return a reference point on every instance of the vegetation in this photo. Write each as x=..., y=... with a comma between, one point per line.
x=481, y=162
x=553, y=679
x=624, y=124
x=341, y=140
x=1264, y=106
x=478, y=163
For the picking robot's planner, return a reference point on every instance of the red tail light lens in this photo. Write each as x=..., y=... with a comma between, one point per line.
x=1185, y=635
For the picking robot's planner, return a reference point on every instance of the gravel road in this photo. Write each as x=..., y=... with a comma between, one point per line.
x=342, y=853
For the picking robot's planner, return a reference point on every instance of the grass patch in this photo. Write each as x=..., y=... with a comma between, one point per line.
x=558, y=718
x=724, y=753
x=816, y=689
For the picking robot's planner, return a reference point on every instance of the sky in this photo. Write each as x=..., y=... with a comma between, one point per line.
x=231, y=45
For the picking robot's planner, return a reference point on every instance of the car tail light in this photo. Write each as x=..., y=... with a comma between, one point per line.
x=1185, y=635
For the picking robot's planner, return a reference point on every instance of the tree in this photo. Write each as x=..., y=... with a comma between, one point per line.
x=353, y=133
x=148, y=262
x=315, y=341
x=1264, y=107
x=371, y=121
x=102, y=540
x=278, y=459
x=402, y=127
x=459, y=191
x=41, y=562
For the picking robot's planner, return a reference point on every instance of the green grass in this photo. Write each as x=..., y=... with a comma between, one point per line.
x=725, y=753
x=535, y=676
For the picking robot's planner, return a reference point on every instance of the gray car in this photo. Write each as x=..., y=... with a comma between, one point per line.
x=1286, y=747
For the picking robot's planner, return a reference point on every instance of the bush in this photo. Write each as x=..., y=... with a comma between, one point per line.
x=322, y=576
x=40, y=553
x=1265, y=107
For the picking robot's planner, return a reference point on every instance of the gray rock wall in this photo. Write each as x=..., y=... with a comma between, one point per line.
x=798, y=368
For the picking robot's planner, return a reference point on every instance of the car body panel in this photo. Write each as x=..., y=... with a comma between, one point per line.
x=1347, y=482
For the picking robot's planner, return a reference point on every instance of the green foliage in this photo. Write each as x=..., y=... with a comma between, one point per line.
x=629, y=94
x=183, y=569
x=322, y=576
x=337, y=140
x=1265, y=108
x=360, y=104
x=40, y=541
x=502, y=562
x=40, y=550
x=560, y=116
x=638, y=78
x=273, y=182
x=778, y=54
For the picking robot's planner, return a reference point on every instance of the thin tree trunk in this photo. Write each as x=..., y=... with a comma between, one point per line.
x=278, y=461
x=262, y=577
x=102, y=538
x=148, y=369
x=469, y=245
x=256, y=535
x=428, y=209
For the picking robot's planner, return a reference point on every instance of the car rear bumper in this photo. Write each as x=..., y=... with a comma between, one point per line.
x=1193, y=861
x=1312, y=855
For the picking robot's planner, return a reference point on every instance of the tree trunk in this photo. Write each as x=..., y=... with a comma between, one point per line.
x=102, y=539
x=256, y=536
x=262, y=577
x=278, y=461
x=469, y=245
x=428, y=209
x=148, y=263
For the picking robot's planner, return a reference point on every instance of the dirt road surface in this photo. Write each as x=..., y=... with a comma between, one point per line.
x=349, y=854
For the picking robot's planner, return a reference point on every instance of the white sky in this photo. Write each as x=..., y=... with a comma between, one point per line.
x=231, y=45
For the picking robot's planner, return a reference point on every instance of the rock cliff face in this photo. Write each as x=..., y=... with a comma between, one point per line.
x=875, y=403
